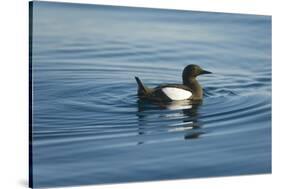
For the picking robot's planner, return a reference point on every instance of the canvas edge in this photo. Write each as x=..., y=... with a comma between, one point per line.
x=30, y=150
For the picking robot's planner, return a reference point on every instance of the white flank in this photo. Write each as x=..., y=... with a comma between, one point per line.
x=176, y=93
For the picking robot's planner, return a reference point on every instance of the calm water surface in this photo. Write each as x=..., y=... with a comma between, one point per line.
x=90, y=128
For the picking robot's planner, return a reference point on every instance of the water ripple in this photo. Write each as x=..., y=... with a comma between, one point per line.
x=89, y=125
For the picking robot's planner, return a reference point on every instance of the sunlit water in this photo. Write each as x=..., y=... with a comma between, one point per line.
x=90, y=128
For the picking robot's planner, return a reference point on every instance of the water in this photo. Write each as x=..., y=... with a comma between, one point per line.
x=90, y=128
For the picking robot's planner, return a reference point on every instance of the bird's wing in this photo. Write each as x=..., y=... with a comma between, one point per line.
x=175, y=91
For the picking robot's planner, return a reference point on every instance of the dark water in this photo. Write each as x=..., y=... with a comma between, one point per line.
x=88, y=126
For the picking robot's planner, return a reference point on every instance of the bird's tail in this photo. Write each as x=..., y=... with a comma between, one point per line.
x=142, y=90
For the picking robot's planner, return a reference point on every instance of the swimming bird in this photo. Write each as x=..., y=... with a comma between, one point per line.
x=190, y=89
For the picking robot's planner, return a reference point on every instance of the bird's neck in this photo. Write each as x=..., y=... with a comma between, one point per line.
x=195, y=87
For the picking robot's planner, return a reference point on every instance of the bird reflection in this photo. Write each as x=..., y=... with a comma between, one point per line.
x=149, y=114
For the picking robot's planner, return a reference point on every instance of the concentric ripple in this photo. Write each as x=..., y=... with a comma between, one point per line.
x=89, y=127
x=112, y=110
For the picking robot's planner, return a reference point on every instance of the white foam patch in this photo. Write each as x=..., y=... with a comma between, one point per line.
x=176, y=93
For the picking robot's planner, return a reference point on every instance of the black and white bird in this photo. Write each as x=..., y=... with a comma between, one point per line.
x=190, y=89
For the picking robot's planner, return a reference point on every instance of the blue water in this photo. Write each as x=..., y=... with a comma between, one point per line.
x=90, y=128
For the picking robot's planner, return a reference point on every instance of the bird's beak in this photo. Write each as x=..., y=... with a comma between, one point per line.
x=205, y=72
